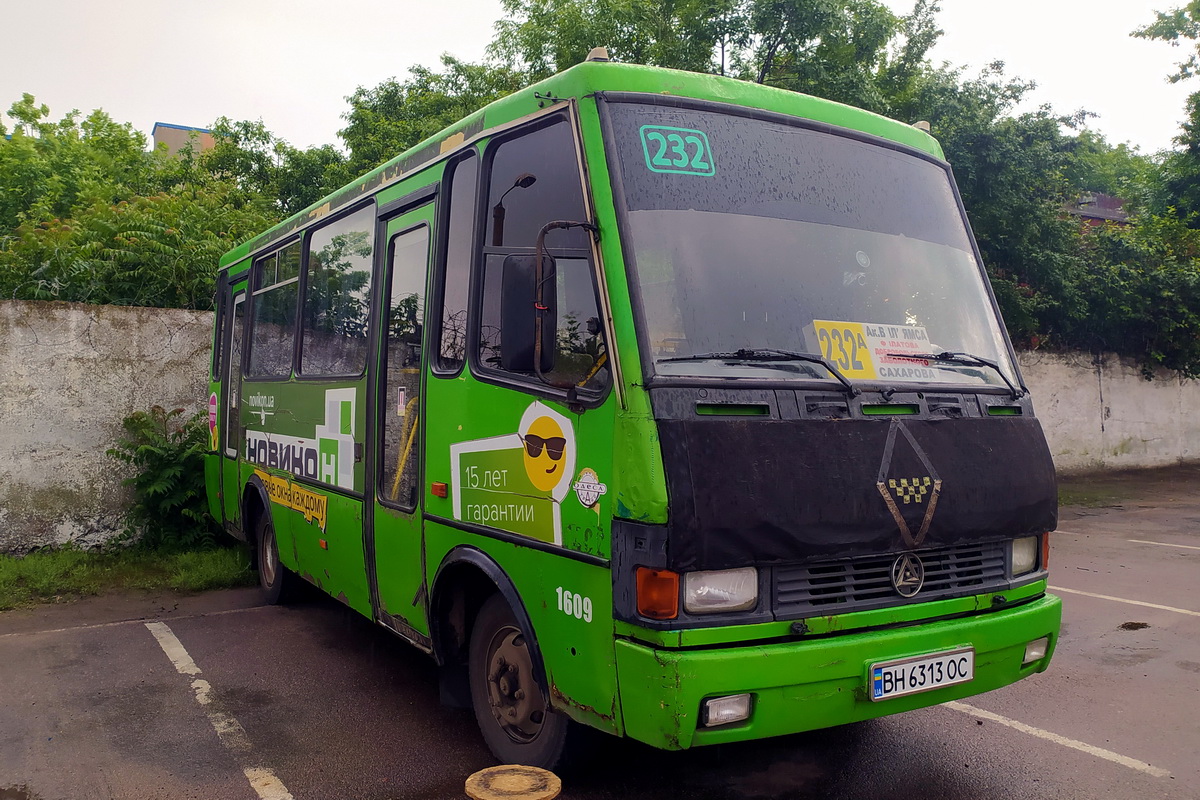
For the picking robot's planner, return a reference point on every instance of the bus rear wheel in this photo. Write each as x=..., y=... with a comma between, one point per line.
x=275, y=579
x=514, y=716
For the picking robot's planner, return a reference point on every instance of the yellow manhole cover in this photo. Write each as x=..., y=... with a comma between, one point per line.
x=513, y=782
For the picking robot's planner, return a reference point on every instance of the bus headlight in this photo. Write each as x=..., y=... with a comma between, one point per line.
x=1024, y=555
x=720, y=590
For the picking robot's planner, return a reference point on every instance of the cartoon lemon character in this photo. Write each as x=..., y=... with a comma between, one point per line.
x=545, y=446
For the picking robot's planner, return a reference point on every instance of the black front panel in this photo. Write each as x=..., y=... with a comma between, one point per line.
x=778, y=488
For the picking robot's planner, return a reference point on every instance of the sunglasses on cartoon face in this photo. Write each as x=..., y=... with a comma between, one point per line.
x=554, y=446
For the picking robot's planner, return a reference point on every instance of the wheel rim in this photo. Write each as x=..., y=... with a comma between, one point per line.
x=513, y=694
x=268, y=562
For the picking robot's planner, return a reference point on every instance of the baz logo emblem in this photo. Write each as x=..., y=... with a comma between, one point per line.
x=908, y=575
x=910, y=490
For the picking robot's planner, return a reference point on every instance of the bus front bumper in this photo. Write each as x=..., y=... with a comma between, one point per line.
x=806, y=685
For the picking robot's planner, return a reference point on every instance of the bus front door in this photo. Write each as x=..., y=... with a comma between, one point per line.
x=394, y=540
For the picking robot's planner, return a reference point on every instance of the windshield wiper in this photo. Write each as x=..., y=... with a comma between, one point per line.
x=771, y=354
x=967, y=359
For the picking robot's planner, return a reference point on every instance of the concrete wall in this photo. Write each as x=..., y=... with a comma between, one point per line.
x=1100, y=412
x=69, y=374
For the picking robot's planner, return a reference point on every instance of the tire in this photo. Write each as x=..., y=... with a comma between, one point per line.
x=517, y=722
x=276, y=580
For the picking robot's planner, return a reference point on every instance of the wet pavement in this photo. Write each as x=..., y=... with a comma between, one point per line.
x=312, y=701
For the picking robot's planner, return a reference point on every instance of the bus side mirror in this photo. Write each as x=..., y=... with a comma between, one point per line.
x=518, y=315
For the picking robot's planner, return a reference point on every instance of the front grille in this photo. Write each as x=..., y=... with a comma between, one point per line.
x=859, y=584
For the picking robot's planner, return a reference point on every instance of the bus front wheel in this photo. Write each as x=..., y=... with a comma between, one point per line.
x=517, y=722
x=275, y=579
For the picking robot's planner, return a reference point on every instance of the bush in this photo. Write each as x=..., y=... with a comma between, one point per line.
x=1141, y=289
x=159, y=250
x=170, y=508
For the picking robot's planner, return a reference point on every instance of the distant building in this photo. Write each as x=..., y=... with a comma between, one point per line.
x=1095, y=209
x=176, y=136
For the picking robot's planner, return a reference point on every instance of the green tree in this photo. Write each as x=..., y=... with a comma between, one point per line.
x=1118, y=170
x=305, y=176
x=47, y=168
x=88, y=214
x=261, y=163
x=1178, y=182
x=1141, y=287
x=854, y=51
x=1175, y=188
x=542, y=37
x=1172, y=26
x=157, y=250
x=832, y=49
x=388, y=119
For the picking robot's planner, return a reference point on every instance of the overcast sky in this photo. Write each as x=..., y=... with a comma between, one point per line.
x=293, y=62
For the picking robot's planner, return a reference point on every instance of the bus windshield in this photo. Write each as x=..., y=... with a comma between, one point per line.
x=749, y=235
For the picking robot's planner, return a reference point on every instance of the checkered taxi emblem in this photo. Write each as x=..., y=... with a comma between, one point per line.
x=910, y=490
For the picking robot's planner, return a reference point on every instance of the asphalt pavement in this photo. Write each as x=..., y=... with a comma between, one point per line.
x=217, y=696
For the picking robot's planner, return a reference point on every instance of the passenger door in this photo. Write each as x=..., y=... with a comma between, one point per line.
x=231, y=426
x=394, y=534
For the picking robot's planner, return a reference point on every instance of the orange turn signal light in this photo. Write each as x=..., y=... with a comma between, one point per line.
x=1046, y=550
x=440, y=489
x=657, y=593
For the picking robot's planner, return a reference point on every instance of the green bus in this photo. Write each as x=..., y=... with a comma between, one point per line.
x=662, y=403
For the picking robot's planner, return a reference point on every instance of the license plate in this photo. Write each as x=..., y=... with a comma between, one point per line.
x=922, y=673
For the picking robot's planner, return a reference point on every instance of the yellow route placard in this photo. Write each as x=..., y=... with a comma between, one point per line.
x=872, y=351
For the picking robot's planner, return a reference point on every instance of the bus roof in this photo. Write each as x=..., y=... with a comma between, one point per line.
x=578, y=81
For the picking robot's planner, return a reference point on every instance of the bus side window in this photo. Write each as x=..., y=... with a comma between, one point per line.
x=534, y=178
x=273, y=327
x=581, y=354
x=233, y=383
x=337, y=296
x=219, y=328
x=456, y=270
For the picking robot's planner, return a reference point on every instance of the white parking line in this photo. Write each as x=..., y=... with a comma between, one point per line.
x=1164, y=544
x=266, y=784
x=231, y=733
x=1125, y=600
x=1083, y=747
x=173, y=648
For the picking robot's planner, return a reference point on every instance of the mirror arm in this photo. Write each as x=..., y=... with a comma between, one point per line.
x=497, y=225
x=539, y=304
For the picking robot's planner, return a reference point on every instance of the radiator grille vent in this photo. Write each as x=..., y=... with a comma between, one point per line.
x=835, y=587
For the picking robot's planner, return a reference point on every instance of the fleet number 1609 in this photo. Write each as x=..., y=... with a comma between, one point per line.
x=574, y=605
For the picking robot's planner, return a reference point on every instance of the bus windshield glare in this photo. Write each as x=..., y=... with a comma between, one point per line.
x=750, y=235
